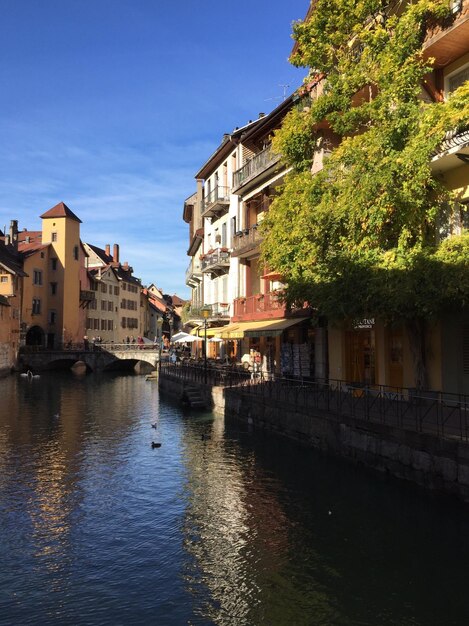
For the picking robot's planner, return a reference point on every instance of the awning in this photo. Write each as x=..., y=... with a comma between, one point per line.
x=271, y=328
x=266, y=328
x=229, y=332
x=199, y=331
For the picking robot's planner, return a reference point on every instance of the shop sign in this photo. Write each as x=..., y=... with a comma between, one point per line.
x=367, y=322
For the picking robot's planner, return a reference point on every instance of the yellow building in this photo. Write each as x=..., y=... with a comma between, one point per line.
x=11, y=292
x=52, y=259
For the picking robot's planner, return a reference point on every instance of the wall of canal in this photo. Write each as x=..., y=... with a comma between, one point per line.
x=437, y=463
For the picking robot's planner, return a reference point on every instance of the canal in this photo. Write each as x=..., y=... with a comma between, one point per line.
x=219, y=525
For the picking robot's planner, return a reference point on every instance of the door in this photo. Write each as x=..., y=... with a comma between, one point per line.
x=360, y=356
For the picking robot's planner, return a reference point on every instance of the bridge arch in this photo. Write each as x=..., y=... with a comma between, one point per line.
x=35, y=336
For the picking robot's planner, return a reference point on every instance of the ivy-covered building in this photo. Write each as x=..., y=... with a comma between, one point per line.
x=377, y=238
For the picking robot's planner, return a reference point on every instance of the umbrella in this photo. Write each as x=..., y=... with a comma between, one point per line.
x=216, y=340
x=181, y=335
x=187, y=339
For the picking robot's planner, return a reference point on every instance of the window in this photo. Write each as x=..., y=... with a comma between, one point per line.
x=123, y=303
x=103, y=305
x=103, y=325
x=37, y=277
x=75, y=253
x=54, y=264
x=456, y=79
x=3, y=279
x=109, y=306
x=103, y=288
x=52, y=317
x=54, y=237
x=116, y=291
x=110, y=325
x=53, y=289
x=36, y=310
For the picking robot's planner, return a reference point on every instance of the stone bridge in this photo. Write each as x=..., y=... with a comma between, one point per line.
x=100, y=358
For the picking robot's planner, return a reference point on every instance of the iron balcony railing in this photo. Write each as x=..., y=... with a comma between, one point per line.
x=216, y=201
x=251, y=306
x=437, y=413
x=193, y=273
x=87, y=295
x=255, y=166
x=219, y=258
x=245, y=239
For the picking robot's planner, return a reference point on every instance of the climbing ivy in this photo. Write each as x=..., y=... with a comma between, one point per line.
x=361, y=237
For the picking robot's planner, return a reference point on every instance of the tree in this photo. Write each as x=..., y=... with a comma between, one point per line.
x=361, y=237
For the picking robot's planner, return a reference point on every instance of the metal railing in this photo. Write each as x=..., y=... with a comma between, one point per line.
x=246, y=238
x=260, y=304
x=436, y=413
x=218, y=196
x=217, y=258
x=193, y=272
x=255, y=166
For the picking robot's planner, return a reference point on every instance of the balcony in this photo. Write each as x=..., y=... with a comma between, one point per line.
x=86, y=297
x=216, y=262
x=452, y=152
x=449, y=41
x=259, y=164
x=193, y=274
x=216, y=203
x=219, y=311
x=262, y=306
x=246, y=241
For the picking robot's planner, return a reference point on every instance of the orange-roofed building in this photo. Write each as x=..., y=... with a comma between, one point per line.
x=52, y=259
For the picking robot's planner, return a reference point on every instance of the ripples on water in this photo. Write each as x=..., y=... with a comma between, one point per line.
x=240, y=528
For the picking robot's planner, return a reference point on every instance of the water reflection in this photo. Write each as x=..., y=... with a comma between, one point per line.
x=218, y=526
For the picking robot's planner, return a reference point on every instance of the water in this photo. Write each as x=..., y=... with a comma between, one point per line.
x=98, y=528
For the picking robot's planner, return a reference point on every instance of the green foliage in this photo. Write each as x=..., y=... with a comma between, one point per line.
x=361, y=236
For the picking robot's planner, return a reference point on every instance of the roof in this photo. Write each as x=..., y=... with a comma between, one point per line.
x=27, y=249
x=10, y=260
x=4, y=301
x=30, y=235
x=177, y=301
x=268, y=122
x=105, y=258
x=227, y=145
x=60, y=210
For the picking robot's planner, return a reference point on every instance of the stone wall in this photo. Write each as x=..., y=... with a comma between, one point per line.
x=5, y=359
x=432, y=462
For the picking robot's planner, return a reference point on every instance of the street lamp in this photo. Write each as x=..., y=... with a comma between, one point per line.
x=205, y=310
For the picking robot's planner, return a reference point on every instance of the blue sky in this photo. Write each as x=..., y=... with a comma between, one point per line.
x=112, y=106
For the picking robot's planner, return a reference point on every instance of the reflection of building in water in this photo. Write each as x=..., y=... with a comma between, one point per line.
x=235, y=528
x=60, y=442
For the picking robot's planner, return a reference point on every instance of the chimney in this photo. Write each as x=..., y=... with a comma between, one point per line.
x=14, y=233
x=125, y=266
x=108, y=249
x=261, y=115
x=115, y=255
